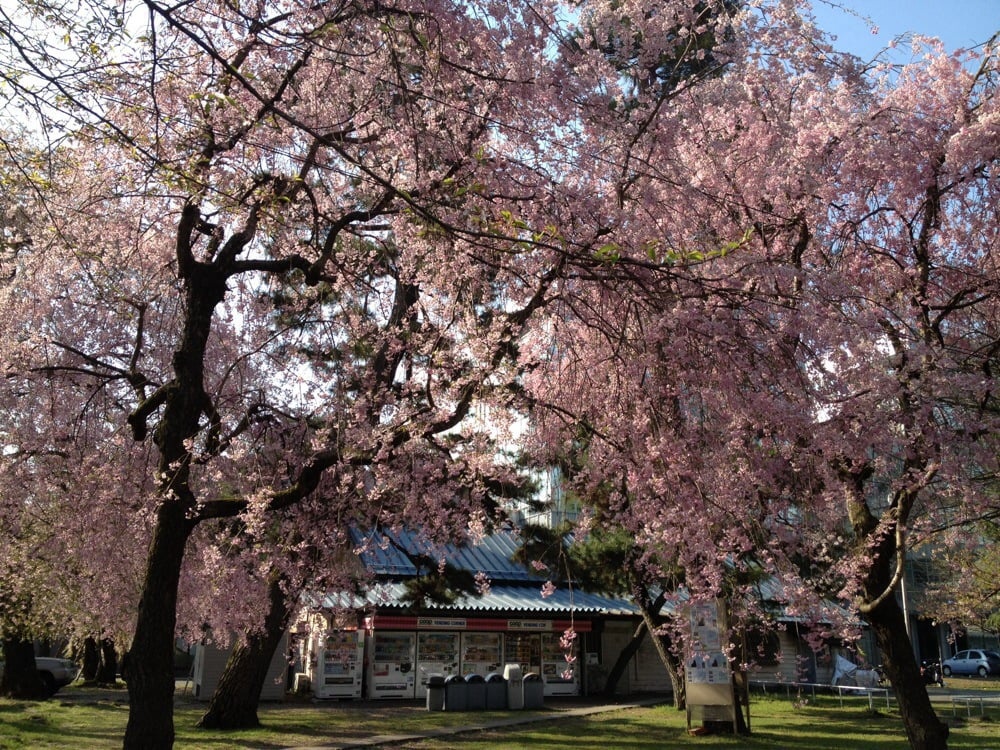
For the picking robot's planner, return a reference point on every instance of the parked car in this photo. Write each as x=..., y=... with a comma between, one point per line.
x=55, y=672
x=972, y=661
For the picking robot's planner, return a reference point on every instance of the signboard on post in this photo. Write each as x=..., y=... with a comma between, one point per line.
x=709, y=683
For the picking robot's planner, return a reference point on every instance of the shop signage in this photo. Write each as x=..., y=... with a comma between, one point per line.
x=448, y=623
x=545, y=625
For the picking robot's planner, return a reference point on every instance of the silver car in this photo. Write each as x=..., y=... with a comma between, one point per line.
x=972, y=661
x=54, y=672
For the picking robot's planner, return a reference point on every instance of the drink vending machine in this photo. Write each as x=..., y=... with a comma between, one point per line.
x=560, y=676
x=481, y=653
x=339, y=660
x=391, y=673
x=437, y=653
x=523, y=649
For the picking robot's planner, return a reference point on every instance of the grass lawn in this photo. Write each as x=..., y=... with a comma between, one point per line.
x=778, y=724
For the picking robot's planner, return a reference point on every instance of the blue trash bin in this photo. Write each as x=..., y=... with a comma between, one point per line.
x=476, y=692
x=456, y=693
x=496, y=692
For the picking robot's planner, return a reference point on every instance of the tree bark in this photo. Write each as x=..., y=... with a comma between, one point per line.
x=671, y=664
x=148, y=666
x=20, y=676
x=91, y=660
x=107, y=672
x=670, y=661
x=924, y=730
x=630, y=650
x=236, y=697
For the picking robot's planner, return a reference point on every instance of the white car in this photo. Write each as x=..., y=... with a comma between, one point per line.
x=55, y=672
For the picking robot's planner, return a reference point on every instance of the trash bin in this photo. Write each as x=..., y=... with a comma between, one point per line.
x=496, y=692
x=515, y=686
x=435, y=692
x=476, y=692
x=456, y=693
x=534, y=691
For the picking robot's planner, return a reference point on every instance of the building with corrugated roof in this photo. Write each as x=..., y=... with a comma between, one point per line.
x=512, y=617
x=388, y=641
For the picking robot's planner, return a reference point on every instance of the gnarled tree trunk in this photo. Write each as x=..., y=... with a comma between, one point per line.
x=924, y=729
x=148, y=666
x=619, y=667
x=235, y=700
x=670, y=661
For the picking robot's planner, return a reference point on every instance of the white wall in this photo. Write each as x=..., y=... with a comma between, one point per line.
x=209, y=661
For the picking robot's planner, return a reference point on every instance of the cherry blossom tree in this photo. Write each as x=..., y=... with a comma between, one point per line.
x=298, y=242
x=813, y=389
x=392, y=172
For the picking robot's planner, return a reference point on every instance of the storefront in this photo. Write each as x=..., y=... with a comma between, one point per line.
x=405, y=650
x=516, y=619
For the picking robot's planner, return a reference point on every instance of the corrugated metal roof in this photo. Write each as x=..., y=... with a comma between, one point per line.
x=387, y=596
x=381, y=555
x=513, y=587
x=388, y=554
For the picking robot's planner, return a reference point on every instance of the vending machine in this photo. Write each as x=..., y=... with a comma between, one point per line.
x=391, y=660
x=437, y=653
x=481, y=653
x=523, y=649
x=559, y=675
x=339, y=661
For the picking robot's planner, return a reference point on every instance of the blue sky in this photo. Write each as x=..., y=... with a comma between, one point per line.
x=958, y=23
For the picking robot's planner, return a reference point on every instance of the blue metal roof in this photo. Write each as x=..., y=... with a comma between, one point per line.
x=513, y=587
x=387, y=553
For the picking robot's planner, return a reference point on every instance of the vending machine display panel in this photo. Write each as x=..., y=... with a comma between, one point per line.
x=340, y=660
x=437, y=653
x=523, y=649
x=560, y=676
x=481, y=653
x=391, y=673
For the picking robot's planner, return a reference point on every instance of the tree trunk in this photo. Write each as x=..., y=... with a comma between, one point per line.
x=923, y=728
x=148, y=666
x=107, y=673
x=20, y=676
x=235, y=700
x=618, y=670
x=670, y=661
x=91, y=660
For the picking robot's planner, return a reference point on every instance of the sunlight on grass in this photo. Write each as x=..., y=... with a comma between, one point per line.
x=777, y=724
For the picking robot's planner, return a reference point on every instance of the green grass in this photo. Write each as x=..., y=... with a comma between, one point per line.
x=778, y=724
x=970, y=684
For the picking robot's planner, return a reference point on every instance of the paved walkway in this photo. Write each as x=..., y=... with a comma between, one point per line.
x=558, y=710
